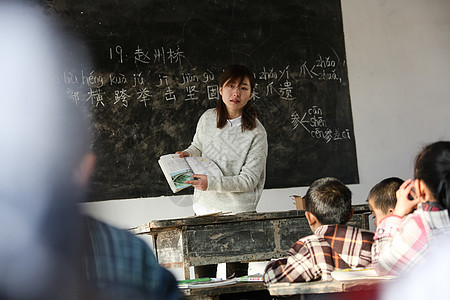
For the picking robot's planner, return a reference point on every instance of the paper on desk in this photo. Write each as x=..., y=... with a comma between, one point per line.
x=357, y=273
x=250, y=278
x=204, y=284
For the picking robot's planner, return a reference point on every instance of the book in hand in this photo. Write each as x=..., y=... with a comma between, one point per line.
x=177, y=170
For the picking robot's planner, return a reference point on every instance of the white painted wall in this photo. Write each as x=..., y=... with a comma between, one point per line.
x=398, y=54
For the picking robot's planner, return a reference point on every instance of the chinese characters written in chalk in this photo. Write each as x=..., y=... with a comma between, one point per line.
x=187, y=87
x=160, y=55
x=154, y=83
x=314, y=122
x=324, y=68
x=278, y=83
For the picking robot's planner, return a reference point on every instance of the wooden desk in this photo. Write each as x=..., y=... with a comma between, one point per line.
x=250, y=289
x=327, y=289
x=196, y=241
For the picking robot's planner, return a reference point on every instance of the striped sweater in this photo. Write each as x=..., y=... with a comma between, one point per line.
x=401, y=243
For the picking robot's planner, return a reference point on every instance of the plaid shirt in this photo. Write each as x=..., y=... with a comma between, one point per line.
x=118, y=265
x=316, y=256
x=401, y=243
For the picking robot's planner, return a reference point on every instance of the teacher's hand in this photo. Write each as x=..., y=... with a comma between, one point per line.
x=201, y=182
x=182, y=154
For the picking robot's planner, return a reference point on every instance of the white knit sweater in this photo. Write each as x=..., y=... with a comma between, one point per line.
x=240, y=155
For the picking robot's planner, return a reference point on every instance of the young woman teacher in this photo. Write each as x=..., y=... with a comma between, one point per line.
x=233, y=137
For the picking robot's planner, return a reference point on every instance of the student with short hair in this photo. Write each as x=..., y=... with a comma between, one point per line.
x=334, y=245
x=405, y=239
x=382, y=198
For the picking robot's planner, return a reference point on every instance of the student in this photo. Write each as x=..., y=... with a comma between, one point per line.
x=403, y=240
x=116, y=264
x=382, y=198
x=45, y=170
x=333, y=245
x=42, y=143
x=232, y=136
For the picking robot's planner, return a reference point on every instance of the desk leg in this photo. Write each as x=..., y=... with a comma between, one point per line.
x=184, y=251
x=186, y=271
x=155, y=249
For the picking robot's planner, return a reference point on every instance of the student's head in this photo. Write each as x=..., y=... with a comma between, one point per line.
x=236, y=85
x=382, y=198
x=43, y=134
x=432, y=173
x=329, y=201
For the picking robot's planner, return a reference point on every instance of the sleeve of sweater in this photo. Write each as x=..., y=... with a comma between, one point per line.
x=254, y=167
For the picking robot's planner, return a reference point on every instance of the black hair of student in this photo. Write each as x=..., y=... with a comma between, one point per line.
x=237, y=73
x=433, y=167
x=384, y=193
x=329, y=200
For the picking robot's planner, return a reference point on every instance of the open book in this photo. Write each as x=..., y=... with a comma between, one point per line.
x=177, y=170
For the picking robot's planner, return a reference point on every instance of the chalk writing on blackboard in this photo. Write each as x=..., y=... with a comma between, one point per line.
x=314, y=122
x=159, y=55
x=324, y=68
x=272, y=82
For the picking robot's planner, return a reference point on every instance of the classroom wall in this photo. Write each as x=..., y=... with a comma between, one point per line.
x=398, y=55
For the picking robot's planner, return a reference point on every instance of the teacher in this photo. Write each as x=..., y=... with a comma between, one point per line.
x=232, y=136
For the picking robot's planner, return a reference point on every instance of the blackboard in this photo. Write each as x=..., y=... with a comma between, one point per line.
x=154, y=71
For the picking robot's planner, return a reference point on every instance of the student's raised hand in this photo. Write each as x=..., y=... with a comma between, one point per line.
x=201, y=182
x=182, y=154
x=404, y=203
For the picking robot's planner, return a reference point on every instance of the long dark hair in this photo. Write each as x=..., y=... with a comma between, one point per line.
x=237, y=73
x=433, y=167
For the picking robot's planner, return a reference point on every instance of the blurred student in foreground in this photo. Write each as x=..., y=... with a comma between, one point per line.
x=44, y=171
x=425, y=266
x=42, y=143
x=404, y=240
x=117, y=265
